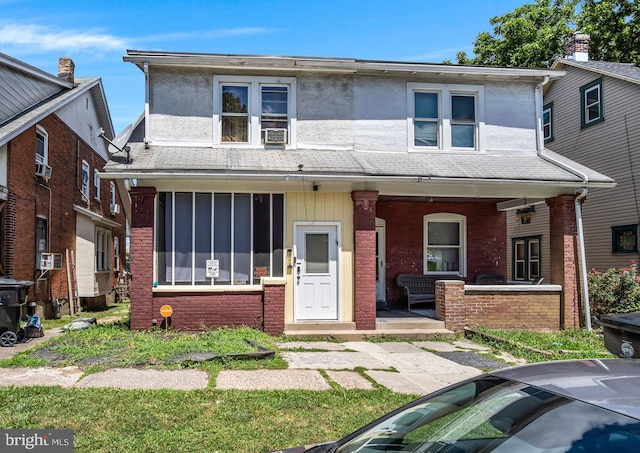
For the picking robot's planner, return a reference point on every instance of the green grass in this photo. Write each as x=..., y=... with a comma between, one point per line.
x=114, y=345
x=565, y=344
x=107, y=420
x=120, y=310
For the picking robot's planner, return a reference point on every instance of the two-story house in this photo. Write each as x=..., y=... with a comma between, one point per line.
x=591, y=116
x=283, y=191
x=61, y=226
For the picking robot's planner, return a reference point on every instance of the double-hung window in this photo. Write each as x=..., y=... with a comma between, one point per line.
x=42, y=145
x=255, y=111
x=591, y=103
x=443, y=117
x=103, y=256
x=84, y=180
x=547, y=122
x=526, y=258
x=96, y=185
x=242, y=233
x=444, y=243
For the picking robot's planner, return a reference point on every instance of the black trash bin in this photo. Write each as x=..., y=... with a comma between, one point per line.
x=622, y=334
x=13, y=296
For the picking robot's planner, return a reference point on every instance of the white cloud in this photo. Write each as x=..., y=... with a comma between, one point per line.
x=37, y=38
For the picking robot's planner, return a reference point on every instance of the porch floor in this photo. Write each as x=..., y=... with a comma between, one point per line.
x=414, y=324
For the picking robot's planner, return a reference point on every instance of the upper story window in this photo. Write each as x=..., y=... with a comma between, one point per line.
x=42, y=146
x=96, y=185
x=547, y=122
x=444, y=116
x=85, y=180
x=112, y=192
x=591, y=103
x=254, y=110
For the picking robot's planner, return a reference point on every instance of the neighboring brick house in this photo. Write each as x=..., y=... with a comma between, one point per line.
x=51, y=198
x=283, y=191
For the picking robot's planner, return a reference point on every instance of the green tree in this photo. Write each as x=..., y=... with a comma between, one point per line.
x=614, y=27
x=531, y=35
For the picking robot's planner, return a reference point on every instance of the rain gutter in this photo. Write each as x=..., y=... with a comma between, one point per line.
x=577, y=202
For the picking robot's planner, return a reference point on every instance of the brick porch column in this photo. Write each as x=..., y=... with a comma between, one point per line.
x=273, y=301
x=565, y=255
x=364, y=225
x=141, y=248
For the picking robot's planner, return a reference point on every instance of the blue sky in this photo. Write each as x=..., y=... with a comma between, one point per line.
x=96, y=34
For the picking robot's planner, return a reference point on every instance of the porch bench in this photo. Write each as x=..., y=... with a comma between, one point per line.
x=420, y=288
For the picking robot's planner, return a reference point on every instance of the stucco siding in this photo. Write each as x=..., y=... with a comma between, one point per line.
x=611, y=147
x=509, y=117
x=182, y=106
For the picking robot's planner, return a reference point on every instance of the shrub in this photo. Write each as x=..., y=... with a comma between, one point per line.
x=616, y=290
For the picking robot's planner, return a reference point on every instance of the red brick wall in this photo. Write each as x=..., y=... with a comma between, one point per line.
x=364, y=221
x=141, y=245
x=201, y=311
x=30, y=196
x=274, y=295
x=486, y=239
x=535, y=310
x=191, y=310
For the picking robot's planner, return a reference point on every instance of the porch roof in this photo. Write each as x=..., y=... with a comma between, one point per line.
x=159, y=162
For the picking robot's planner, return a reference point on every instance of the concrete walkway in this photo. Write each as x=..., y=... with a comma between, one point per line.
x=412, y=368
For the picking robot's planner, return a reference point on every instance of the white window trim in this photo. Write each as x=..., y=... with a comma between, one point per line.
x=254, y=84
x=445, y=91
x=45, y=160
x=96, y=184
x=462, y=224
x=112, y=192
x=85, y=188
x=549, y=109
x=103, y=239
x=587, y=106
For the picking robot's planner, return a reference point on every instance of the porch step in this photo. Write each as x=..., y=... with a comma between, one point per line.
x=408, y=323
x=410, y=329
x=319, y=326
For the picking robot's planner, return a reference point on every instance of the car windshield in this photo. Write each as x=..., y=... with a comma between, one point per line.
x=498, y=415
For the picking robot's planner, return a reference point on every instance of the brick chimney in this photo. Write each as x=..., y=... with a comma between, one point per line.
x=66, y=69
x=577, y=48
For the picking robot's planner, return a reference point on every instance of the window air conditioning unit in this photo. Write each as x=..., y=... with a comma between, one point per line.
x=43, y=170
x=275, y=136
x=115, y=209
x=50, y=261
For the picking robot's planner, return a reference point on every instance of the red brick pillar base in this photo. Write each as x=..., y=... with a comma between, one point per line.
x=450, y=304
x=274, y=308
x=142, y=214
x=565, y=257
x=364, y=224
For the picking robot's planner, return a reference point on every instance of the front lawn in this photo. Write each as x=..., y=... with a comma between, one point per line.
x=111, y=420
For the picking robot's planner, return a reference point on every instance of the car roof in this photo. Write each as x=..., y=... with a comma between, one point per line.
x=613, y=384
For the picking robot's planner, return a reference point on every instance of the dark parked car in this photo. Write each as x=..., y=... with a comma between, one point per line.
x=564, y=406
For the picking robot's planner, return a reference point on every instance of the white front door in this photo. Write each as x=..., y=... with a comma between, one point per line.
x=316, y=272
x=381, y=286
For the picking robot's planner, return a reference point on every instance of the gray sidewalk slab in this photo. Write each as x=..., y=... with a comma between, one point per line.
x=131, y=378
x=271, y=380
x=22, y=377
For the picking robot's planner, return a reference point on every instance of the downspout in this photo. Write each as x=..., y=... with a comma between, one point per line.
x=146, y=104
x=577, y=201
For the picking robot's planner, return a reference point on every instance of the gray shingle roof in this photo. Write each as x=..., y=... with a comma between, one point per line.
x=341, y=163
x=627, y=71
